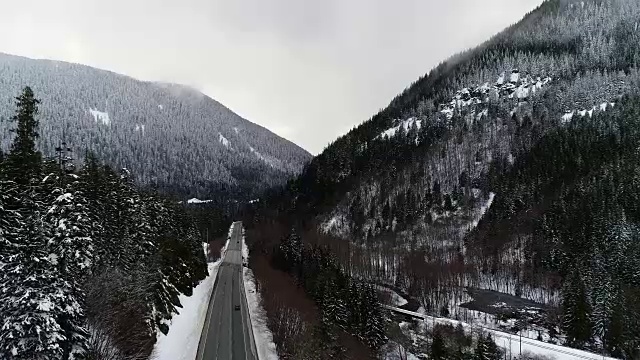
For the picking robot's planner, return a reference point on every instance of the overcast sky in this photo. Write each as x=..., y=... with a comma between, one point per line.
x=307, y=70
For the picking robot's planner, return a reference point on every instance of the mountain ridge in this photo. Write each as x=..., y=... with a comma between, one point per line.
x=135, y=124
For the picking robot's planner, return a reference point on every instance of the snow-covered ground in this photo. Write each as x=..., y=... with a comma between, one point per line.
x=261, y=333
x=483, y=210
x=513, y=344
x=223, y=140
x=197, y=201
x=274, y=163
x=100, y=116
x=406, y=124
x=337, y=224
x=518, y=87
x=181, y=343
x=568, y=116
x=396, y=300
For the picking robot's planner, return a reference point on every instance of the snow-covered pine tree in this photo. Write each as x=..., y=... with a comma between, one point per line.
x=577, y=313
x=294, y=247
x=438, y=347
x=339, y=303
x=9, y=219
x=375, y=321
x=24, y=159
x=169, y=250
x=30, y=290
x=486, y=348
x=354, y=305
x=96, y=185
x=70, y=229
x=30, y=285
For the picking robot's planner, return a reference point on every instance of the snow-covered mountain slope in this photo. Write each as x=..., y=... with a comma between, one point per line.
x=565, y=60
x=167, y=134
x=512, y=167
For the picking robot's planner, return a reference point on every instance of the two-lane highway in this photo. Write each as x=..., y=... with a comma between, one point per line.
x=227, y=332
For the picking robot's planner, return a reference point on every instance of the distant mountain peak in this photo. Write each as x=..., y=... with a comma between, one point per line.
x=169, y=135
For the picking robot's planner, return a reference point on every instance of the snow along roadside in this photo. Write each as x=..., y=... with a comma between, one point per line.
x=181, y=342
x=261, y=333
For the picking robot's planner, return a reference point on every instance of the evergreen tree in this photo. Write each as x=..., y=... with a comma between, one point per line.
x=24, y=159
x=31, y=290
x=576, y=311
x=70, y=231
x=438, y=347
x=374, y=325
x=486, y=348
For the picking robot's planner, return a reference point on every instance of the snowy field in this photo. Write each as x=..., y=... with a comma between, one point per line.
x=513, y=345
x=392, y=296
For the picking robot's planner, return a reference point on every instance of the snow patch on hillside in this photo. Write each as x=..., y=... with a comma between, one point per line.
x=271, y=162
x=483, y=210
x=569, y=115
x=160, y=107
x=396, y=300
x=223, y=140
x=338, y=224
x=518, y=87
x=406, y=125
x=198, y=201
x=475, y=98
x=99, y=116
x=515, y=77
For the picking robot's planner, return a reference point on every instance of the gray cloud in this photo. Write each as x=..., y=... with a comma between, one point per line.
x=307, y=70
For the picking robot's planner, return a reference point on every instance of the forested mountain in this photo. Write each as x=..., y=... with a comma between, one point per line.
x=90, y=266
x=511, y=167
x=169, y=136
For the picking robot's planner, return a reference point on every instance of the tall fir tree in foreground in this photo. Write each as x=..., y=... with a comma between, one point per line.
x=438, y=347
x=486, y=348
x=24, y=160
x=30, y=286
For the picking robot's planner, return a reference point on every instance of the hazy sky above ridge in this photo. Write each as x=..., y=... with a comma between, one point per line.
x=308, y=71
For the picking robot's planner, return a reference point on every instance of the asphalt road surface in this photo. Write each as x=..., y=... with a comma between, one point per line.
x=227, y=332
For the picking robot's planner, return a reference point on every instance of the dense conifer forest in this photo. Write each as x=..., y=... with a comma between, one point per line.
x=90, y=266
